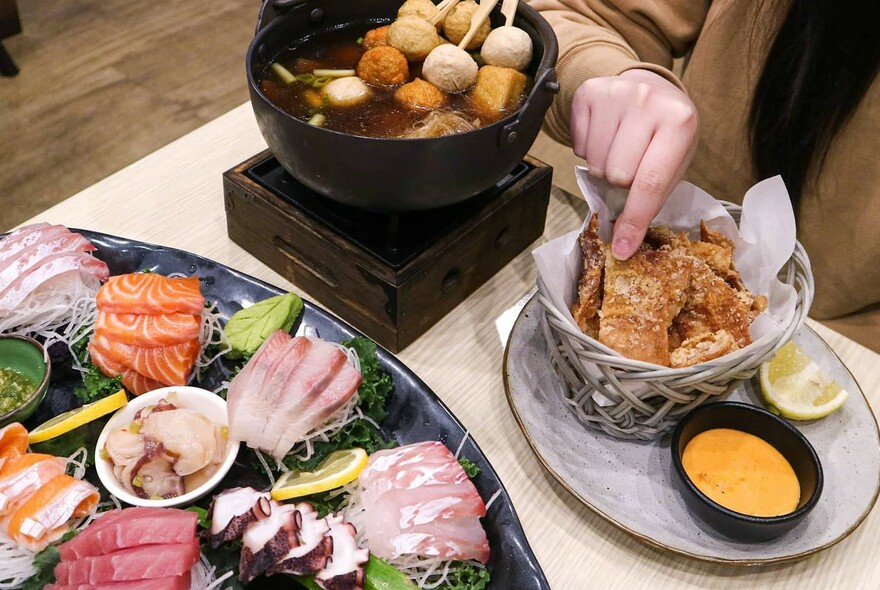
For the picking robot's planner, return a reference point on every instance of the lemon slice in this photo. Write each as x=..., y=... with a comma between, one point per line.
x=797, y=387
x=64, y=423
x=338, y=469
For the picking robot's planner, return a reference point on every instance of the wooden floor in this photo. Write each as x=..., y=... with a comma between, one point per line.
x=105, y=82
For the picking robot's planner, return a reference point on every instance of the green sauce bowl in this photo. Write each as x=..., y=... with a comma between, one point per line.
x=27, y=357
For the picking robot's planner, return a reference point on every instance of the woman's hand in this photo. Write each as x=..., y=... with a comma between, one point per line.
x=638, y=131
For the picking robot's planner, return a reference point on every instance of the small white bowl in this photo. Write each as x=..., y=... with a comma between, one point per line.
x=194, y=398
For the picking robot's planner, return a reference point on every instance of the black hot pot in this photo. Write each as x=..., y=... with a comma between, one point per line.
x=392, y=174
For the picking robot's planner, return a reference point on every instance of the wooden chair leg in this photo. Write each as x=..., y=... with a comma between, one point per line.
x=7, y=66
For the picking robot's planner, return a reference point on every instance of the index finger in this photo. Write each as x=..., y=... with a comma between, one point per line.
x=661, y=168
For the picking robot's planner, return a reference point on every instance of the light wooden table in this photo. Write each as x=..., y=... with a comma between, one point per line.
x=174, y=197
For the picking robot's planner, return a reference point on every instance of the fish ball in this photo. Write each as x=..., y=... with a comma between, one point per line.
x=458, y=22
x=507, y=47
x=450, y=69
x=419, y=94
x=422, y=8
x=346, y=92
x=375, y=38
x=383, y=66
x=413, y=36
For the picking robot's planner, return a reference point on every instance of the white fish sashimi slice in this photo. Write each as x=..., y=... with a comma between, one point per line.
x=33, y=255
x=411, y=466
x=244, y=405
x=288, y=364
x=461, y=539
x=53, y=266
x=23, y=237
x=341, y=388
x=300, y=388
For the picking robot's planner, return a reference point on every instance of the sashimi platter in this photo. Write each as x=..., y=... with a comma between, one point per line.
x=202, y=429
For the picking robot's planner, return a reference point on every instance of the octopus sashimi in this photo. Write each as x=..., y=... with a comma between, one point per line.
x=13, y=294
x=189, y=435
x=131, y=379
x=23, y=475
x=13, y=442
x=43, y=517
x=170, y=365
x=149, y=330
x=151, y=293
x=431, y=511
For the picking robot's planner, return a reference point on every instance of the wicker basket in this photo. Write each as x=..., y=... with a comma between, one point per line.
x=585, y=366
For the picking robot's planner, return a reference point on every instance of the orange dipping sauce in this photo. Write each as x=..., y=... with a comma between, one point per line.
x=741, y=472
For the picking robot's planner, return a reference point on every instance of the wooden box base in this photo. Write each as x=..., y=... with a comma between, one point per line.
x=392, y=305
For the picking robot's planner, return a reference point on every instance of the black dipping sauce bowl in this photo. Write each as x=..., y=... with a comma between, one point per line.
x=787, y=439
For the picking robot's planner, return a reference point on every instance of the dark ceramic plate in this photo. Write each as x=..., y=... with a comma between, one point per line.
x=415, y=413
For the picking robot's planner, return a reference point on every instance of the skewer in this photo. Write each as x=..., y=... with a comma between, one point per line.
x=508, y=9
x=443, y=9
x=477, y=19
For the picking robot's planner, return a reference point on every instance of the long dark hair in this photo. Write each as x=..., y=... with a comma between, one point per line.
x=821, y=63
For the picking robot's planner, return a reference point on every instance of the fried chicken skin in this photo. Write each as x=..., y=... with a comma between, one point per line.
x=589, y=294
x=713, y=305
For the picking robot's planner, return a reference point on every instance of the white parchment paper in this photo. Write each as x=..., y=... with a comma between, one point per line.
x=764, y=241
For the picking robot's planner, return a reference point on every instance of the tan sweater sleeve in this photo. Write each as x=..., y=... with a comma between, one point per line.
x=607, y=37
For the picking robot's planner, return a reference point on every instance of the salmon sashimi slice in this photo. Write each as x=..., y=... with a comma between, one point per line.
x=133, y=381
x=331, y=399
x=182, y=582
x=13, y=442
x=23, y=475
x=43, y=517
x=170, y=365
x=146, y=562
x=132, y=527
x=149, y=330
x=244, y=406
x=151, y=293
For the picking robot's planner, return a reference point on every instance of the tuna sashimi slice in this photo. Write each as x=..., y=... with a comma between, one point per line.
x=170, y=365
x=132, y=527
x=411, y=466
x=149, y=330
x=331, y=399
x=244, y=406
x=151, y=293
x=137, y=563
x=182, y=582
x=131, y=379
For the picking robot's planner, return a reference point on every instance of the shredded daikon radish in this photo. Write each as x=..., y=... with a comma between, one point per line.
x=76, y=463
x=204, y=575
x=16, y=564
x=466, y=436
x=57, y=311
x=211, y=336
x=493, y=498
x=269, y=473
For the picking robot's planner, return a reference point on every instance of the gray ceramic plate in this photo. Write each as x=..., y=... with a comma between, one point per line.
x=630, y=483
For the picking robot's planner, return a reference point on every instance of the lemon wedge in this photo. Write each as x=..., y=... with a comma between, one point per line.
x=797, y=387
x=64, y=423
x=338, y=469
